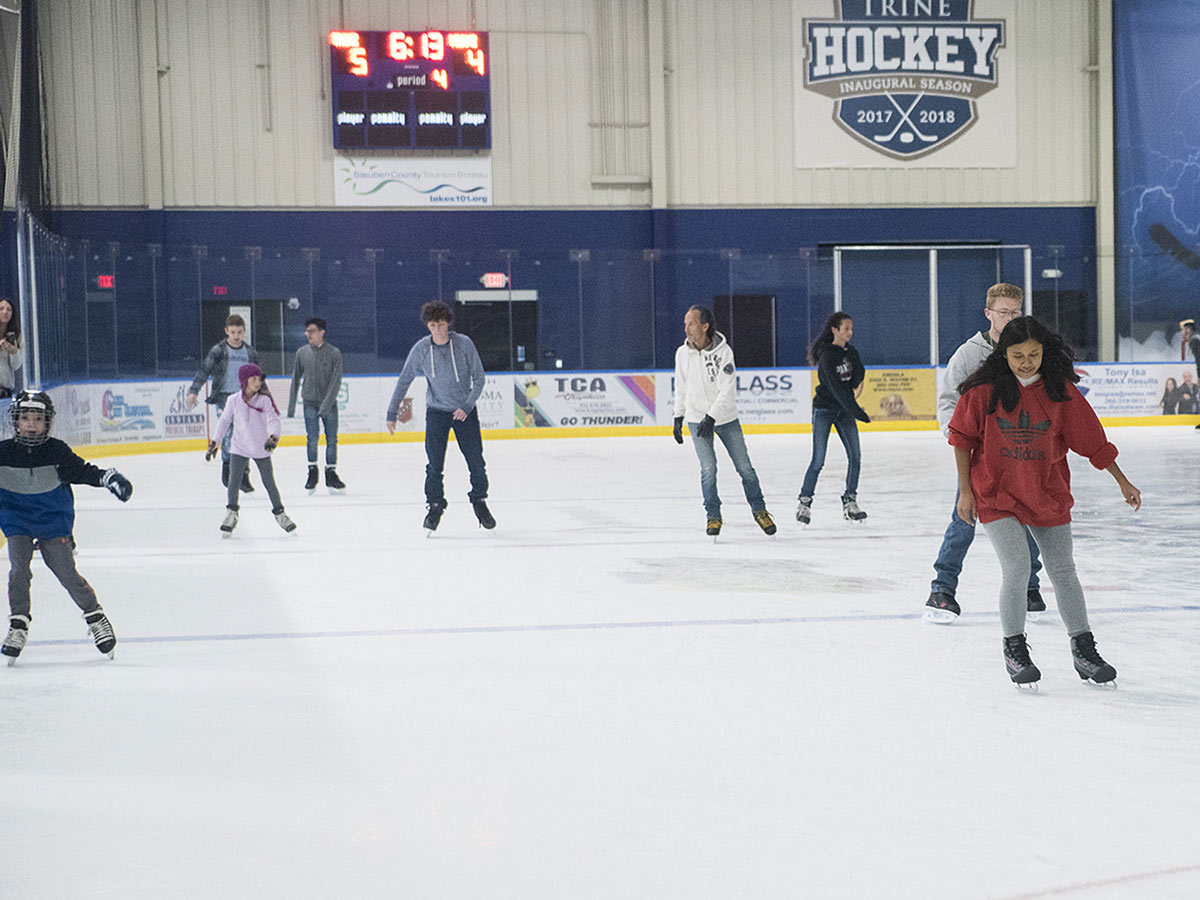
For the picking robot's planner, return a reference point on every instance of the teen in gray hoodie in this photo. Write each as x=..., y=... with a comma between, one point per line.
x=454, y=381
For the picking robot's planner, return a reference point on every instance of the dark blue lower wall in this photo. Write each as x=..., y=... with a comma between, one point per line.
x=367, y=272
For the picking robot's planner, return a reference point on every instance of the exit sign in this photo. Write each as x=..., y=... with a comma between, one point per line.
x=494, y=280
x=105, y=281
x=220, y=290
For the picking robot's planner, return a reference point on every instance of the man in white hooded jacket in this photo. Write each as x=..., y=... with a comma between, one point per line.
x=705, y=392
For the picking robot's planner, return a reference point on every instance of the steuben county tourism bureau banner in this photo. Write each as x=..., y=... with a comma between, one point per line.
x=436, y=182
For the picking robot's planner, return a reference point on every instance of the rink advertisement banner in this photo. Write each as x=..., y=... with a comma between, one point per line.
x=1149, y=389
x=584, y=400
x=427, y=182
x=919, y=83
x=896, y=395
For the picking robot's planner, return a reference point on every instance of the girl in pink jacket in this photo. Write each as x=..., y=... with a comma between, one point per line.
x=256, y=428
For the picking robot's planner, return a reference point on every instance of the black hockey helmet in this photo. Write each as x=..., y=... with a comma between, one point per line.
x=27, y=402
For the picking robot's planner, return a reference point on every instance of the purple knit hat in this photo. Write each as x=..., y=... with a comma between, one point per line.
x=246, y=372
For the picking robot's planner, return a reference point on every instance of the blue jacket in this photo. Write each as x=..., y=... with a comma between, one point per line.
x=35, y=488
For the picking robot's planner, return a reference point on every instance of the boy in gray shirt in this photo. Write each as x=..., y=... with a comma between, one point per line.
x=319, y=367
x=222, y=364
x=454, y=377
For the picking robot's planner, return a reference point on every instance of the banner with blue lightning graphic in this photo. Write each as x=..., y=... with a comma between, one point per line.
x=1156, y=100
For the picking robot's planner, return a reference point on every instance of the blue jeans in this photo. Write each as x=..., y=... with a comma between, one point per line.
x=955, y=545
x=735, y=444
x=438, y=424
x=847, y=429
x=228, y=434
x=313, y=421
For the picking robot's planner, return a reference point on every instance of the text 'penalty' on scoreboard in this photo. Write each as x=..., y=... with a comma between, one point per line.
x=402, y=90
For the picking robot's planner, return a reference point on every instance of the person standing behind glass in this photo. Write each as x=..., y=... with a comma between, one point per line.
x=222, y=364
x=840, y=376
x=10, y=347
x=319, y=365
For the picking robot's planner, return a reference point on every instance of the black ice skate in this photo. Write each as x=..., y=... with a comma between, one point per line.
x=230, y=523
x=764, y=520
x=1088, y=663
x=483, y=514
x=850, y=509
x=101, y=631
x=804, y=510
x=246, y=487
x=713, y=528
x=284, y=520
x=335, y=484
x=18, y=633
x=225, y=472
x=941, y=608
x=1020, y=667
x=1034, y=605
x=433, y=517
x=310, y=483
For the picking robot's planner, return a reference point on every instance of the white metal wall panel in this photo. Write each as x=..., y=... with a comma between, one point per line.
x=735, y=57
x=243, y=104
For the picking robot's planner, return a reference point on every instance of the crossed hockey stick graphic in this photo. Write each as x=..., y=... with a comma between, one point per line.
x=905, y=120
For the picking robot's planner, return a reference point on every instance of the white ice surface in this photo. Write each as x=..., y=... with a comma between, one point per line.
x=595, y=700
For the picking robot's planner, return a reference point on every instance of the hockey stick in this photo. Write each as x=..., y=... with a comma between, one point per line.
x=905, y=120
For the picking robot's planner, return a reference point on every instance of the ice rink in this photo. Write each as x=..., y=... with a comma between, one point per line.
x=596, y=700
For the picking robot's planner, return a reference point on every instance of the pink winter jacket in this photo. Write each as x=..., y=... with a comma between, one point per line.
x=252, y=423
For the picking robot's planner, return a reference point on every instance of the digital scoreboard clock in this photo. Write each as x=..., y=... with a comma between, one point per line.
x=410, y=90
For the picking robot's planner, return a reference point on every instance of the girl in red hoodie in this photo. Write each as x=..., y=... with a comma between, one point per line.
x=1019, y=415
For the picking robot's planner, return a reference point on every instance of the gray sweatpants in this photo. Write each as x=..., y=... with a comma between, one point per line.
x=237, y=468
x=59, y=555
x=1008, y=537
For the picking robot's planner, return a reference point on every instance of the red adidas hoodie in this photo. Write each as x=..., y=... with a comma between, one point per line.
x=1019, y=458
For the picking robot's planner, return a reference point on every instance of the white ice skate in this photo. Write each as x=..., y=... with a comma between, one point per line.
x=230, y=523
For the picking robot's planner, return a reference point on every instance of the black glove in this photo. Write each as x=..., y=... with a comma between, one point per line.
x=678, y=429
x=272, y=443
x=118, y=484
x=706, y=427
x=213, y=447
x=861, y=415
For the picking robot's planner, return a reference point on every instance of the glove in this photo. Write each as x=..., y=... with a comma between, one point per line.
x=213, y=447
x=861, y=415
x=679, y=429
x=120, y=486
x=272, y=443
x=706, y=427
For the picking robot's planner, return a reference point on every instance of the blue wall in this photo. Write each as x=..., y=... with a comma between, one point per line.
x=616, y=310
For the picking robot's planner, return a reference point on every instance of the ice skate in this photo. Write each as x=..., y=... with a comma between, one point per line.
x=713, y=528
x=1021, y=669
x=1088, y=663
x=941, y=608
x=284, y=520
x=335, y=484
x=310, y=484
x=483, y=514
x=850, y=509
x=433, y=517
x=246, y=487
x=804, y=510
x=101, y=631
x=18, y=633
x=224, y=472
x=230, y=523
x=1034, y=605
x=765, y=522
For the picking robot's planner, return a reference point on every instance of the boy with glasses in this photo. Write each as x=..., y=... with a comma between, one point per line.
x=1005, y=302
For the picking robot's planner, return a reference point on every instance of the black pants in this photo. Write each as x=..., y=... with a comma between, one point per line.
x=438, y=424
x=59, y=554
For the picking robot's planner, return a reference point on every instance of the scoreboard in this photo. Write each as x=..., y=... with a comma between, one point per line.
x=410, y=90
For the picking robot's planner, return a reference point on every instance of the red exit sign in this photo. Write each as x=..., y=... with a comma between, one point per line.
x=105, y=281
x=220, y=290
x=494, y=280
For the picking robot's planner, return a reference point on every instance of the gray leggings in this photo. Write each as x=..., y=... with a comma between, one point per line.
x=1008, y=537
x=59, y=555
x=237, y=468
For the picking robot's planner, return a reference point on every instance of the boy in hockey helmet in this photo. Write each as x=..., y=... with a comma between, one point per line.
x=37, y=508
